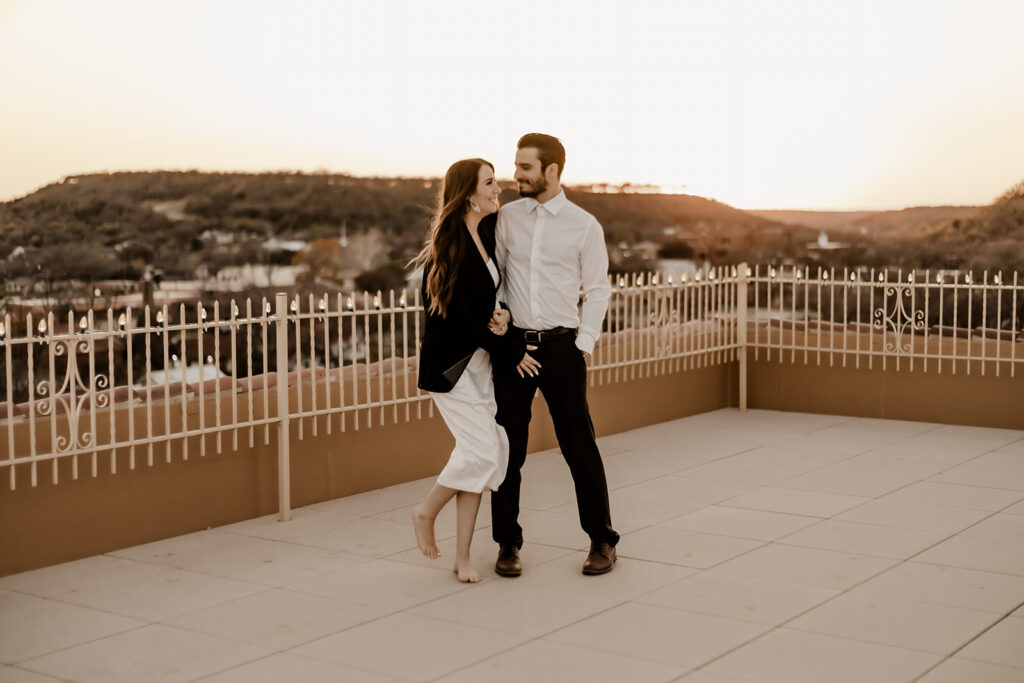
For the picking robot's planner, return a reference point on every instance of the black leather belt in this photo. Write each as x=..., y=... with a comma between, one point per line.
x=538, y=336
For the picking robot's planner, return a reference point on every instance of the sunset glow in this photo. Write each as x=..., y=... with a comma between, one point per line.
x=788, y=104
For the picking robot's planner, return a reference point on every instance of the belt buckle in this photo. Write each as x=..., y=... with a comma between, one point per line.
x=533, y=336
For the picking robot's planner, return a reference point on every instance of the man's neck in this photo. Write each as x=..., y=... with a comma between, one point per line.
x=550, y=193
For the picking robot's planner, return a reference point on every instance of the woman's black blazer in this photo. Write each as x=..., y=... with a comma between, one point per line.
x=449, y=341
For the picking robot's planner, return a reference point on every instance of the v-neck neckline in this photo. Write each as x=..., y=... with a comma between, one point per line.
x=481, y=250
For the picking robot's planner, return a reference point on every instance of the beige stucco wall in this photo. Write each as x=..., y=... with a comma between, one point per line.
x=976, y=393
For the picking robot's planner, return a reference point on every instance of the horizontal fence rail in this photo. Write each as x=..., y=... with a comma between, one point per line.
x=125, y=386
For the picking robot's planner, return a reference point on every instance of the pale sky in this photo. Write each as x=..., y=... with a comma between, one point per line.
x=832, y=104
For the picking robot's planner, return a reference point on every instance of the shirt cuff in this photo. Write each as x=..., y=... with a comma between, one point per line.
x=585, y=343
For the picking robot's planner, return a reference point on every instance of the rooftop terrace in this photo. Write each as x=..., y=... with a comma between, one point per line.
x=759, y=546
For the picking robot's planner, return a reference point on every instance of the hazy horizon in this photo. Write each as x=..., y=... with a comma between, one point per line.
x=582, y=184
x=783, y=106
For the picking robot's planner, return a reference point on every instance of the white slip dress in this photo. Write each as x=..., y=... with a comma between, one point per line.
x=480, y=458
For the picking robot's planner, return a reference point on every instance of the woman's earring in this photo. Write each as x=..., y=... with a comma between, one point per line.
x=473, y=205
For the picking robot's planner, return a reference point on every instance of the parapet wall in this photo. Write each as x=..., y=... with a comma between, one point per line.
x=51, y=523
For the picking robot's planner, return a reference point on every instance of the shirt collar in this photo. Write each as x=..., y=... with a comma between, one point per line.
x=553, y=205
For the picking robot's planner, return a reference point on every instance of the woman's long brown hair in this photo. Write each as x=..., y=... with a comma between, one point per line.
x=446, y=245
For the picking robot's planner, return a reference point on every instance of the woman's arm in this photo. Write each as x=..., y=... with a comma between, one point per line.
x=507, y=348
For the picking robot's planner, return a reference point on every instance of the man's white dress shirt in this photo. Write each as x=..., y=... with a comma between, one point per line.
x=548, y=252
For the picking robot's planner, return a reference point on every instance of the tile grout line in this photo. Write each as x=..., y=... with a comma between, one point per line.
x=971, y=640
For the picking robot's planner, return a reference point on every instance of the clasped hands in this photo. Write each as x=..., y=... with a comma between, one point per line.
x=499, y=326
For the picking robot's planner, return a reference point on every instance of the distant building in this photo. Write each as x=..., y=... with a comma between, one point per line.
x=191, y=373
x=823, y=243
x=294, y=246
x=240, y=278
x=677, y=267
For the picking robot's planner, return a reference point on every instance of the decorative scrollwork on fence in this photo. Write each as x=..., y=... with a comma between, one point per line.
x=74, y=393
x=663, y=318
x=902, y=320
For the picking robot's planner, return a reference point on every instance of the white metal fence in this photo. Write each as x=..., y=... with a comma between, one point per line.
x=924, y=321
x=140, y=386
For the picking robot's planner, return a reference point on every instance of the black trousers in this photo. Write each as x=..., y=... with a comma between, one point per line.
x=563, y=383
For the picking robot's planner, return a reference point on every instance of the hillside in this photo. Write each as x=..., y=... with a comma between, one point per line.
x=992, y=238
x=983, y=238
x=116, y=223
x=912, y=221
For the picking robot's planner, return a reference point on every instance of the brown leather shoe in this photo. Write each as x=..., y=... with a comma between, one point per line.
x=601, y=559
x=508, y=563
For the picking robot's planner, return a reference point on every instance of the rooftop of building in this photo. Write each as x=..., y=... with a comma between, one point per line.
x=757, y=546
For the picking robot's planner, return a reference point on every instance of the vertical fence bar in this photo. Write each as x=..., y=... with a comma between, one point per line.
x=366, y=359
x=822, y=276
x=860, y=331
x=704, y=316
x=927, y=296
x=1013, y=328
x=126, y=322
x=719, y=322
x=377, y=305
x=807, y=313
x=416, y=328
x=968, y=328
x=93, y=390
x=283, y=456
x=680, y=325
x=30, y=353
x=264, y=315
x=404, y=302
x=831, y=316
x=312, y=361
x=52, y=391
x=297, y=310
x=163, y=320
x=741, y=330
x=341, y=359
x=248, y=372
x=394, y=358
x=942, y=311
x=846, y=312
x=871, y=319
x=216, y=354
x=200, y=335
x=8, y=370
x=912, y=287
x=620, y=336
x=184, y=385
x=984, y=319
x=757, y=309
x=325, y=311
x=782, y=299
x=998, y=281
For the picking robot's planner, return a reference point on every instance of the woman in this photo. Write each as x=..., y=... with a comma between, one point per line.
x=460, y=281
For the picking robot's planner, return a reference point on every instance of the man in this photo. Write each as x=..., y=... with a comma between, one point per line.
x=548, y=248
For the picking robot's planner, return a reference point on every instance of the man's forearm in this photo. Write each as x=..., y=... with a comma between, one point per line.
x=594, y=309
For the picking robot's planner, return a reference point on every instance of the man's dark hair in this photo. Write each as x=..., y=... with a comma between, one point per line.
x=549, y=149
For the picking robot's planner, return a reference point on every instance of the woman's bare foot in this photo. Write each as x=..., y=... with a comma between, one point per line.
x=466, y=573
x=424, y=527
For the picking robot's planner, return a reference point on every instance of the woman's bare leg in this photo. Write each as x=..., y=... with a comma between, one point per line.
x=423, y=516
x=467, y=505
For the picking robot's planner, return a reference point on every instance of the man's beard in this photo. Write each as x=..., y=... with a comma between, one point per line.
x=539, y=186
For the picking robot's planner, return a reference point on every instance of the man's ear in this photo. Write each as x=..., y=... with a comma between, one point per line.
x=552, y=172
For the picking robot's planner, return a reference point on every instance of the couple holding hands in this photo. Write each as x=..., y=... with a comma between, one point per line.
x=501, y=292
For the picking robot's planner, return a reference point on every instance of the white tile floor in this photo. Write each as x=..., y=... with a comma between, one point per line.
x=759, y=547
